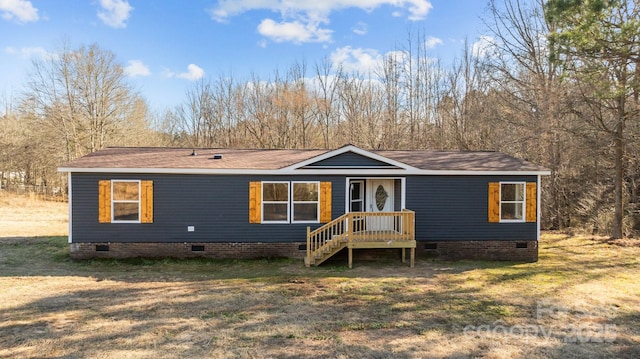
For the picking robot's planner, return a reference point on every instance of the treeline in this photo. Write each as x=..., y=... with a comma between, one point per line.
x=554, y=84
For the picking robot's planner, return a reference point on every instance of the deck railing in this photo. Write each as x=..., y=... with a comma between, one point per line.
x=360, y=227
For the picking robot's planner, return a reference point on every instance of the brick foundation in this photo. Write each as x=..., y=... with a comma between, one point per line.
x=452, y=250
x=518, y=251
x=187, y=250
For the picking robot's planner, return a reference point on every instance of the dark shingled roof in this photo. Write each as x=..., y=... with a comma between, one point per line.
x=460, y=160
x=137, y=157
x=261, y=159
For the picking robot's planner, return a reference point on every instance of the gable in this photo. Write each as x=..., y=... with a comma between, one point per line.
x=350, y=160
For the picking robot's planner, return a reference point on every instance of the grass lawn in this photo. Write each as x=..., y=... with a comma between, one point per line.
x=581, y=300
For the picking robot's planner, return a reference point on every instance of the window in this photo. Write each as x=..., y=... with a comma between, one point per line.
x=275, y=202
x=305, y=202
x=289, y=202
x=512, y=201
x=357, y=196
x=125, y=199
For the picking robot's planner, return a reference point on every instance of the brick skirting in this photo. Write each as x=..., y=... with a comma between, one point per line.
x=187, y=250
x=520, y=251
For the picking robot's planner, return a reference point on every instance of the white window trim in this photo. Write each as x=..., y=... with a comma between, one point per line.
x=524, y=202
x=293, y=202
x=290, y=203
x=114, y=201
x=263, y=202
x=362, y=194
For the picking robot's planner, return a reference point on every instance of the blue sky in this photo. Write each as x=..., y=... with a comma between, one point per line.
x=166, y=45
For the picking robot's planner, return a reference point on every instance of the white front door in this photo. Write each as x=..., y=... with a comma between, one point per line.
x=380, y=199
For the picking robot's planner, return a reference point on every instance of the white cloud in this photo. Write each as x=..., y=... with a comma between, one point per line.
x=168, y=73
x=398, y=56
x=356, y=60
x=114, y=12
x=300, y=20
x=194, y=72
x=136, y=68
x=418, y=9
x=295, y=32
x=482, y=46
x=432, y=42
x=29, y=52
x=19, y=10
x=370, y=61
x=360, y=28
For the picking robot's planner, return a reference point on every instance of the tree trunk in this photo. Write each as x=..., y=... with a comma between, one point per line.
x=618, y=215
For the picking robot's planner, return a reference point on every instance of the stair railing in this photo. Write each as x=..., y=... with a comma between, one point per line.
x=361, y=226
x=319, y=237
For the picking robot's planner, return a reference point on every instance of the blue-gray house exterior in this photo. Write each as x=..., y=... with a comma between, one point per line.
x=201, y=206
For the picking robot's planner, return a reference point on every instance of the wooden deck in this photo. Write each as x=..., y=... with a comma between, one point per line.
x=362, y=230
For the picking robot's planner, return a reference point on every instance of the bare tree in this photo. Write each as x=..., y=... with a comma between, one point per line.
x=257, y=112
x=196, y=114
x=326, y=97
x=362, y=112
x=82, y=96
x=533, y=102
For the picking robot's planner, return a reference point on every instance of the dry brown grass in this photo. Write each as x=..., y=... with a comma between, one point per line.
x=29, y=216
x=53, y=307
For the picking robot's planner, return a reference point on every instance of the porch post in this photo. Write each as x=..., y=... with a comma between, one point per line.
x=308, y=246
x=350, y=237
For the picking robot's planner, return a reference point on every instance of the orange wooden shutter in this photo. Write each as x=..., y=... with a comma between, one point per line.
x=255, y=202
x=325, y=202
x=494, y=202
x=104, y=201
x=532, y=197
x=146, y=201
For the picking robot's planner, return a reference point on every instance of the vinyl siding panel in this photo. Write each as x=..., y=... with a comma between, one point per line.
x=450, y=208
x=217, y=206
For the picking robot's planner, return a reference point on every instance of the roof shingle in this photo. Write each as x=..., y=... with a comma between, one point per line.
x=261, y=159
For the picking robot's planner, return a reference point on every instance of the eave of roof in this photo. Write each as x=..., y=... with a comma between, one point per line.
x=293, y=162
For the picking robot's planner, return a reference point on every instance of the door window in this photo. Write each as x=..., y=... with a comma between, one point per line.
x=357, y=196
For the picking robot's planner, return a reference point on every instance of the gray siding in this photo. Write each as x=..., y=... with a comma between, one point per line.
x=218, y=207
x=448, y=208
x=350, y=159
x=456, y=208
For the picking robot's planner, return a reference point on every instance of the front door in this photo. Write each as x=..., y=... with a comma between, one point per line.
x=380, y=199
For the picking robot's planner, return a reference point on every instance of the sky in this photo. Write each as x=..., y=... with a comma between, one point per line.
x=166, y=45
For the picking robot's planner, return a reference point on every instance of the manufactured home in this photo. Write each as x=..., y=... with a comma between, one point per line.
x=307, y=204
